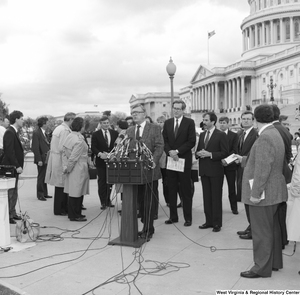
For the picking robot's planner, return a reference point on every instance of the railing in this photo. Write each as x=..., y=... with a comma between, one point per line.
x=290, y=87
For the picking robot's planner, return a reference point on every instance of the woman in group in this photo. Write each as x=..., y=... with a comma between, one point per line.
x=75, y=167
x=293, y=211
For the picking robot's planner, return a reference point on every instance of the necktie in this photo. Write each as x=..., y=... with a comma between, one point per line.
x=176, y=128
x=137, y=135
x=242, y=138
x=106, y=138
x=206, y=139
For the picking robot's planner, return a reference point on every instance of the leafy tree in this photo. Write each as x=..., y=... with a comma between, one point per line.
x=4, y=111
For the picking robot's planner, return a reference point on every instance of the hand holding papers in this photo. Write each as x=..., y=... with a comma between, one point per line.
x=175, y=165
x=256, y=200
x=230, y=159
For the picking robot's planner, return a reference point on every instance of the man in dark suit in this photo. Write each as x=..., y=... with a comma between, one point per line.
x=40, y=147
x=230, y=170
x=246, y=140
x=286, y=137
x=212, y=148
x=13, y=155
x=150, y=135
x=263, y=189
x=180, y=137
x=102, y=143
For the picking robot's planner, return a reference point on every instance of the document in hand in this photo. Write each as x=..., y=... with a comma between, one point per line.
x=262, y=197
x=175, y=165
x=230, y=159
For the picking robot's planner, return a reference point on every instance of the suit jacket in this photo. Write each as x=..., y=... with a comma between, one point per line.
x=99, y=144
x=232, y=139
x=218, y=146
x=39, y=146
x=184, y=141
x=247, y=145
x=264, y=166
x=286, y=136
x=12, y=148
x=153, y=139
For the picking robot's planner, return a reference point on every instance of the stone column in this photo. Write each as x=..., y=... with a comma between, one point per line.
x=272, y=31
x=256, y=36
x=281, y=30
x=292, y=33
x=205, y=97
x=238, y=91
x=217, y=99
x=252, y=94
x=225, y=95
x=263, y=36
x=250, y=38
x=234, y=93
x=244, y=43
x=243, y=93
x=229, y=95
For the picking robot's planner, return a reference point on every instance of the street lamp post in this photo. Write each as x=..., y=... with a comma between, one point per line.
x=271, y=86
x=171, y=70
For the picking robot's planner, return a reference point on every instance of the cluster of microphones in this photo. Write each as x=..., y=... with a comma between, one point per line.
x=129, y=149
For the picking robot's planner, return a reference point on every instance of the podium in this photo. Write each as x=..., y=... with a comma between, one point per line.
x=5, y=184
x=130, y=173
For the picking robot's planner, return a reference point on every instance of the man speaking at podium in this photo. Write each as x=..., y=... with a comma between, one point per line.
x=151, y=136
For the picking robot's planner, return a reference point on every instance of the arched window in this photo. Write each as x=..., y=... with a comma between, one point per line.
x=265, y=3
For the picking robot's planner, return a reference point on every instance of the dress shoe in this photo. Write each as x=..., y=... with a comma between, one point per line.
x=179, y=205
x=103, y=207
x=187, y=223
x=235, y=212
x=83, y=208
x=170, y=221
x=243, y=232
x=216, y=228
x=275, y=269
x=155, y=217
x=250, y=274
x=147, y=236
x=42, y=199
x=16, y=217
x=204, y=226
x=110, y=205
x=82, y=216
x=78, y=219
x=12, y=221
x=247, y=236
x=48, y=197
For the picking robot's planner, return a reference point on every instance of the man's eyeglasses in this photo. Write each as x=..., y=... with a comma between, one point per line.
x=177, y=109
x=135, y=113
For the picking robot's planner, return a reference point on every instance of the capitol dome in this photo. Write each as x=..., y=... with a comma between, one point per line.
x=272, y=26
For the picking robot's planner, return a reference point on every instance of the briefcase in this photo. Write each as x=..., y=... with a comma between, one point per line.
x=8, y=171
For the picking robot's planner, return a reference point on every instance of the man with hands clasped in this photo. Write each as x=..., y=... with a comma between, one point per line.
x=212, y=148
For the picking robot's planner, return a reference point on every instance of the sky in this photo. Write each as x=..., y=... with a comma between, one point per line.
x=63, y=56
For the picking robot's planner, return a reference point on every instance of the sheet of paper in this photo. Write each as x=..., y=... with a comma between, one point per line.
x=262, y=197
x=175, y=165
x=230, y=159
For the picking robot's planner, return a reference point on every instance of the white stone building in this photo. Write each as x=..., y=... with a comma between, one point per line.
x=156, y=103
x=271, y=52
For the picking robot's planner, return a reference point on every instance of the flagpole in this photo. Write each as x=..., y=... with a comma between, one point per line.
x=207, y=49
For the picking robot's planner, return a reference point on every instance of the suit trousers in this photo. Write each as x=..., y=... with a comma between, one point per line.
x=104, y=189
x=165, y=184
x=74, y=207
x=60, y=204
x=212, y=199
x=41, y=186
x=147, y=206
x=266, y=236
x=12, y=198
x=184, y=178
x=231, y=180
